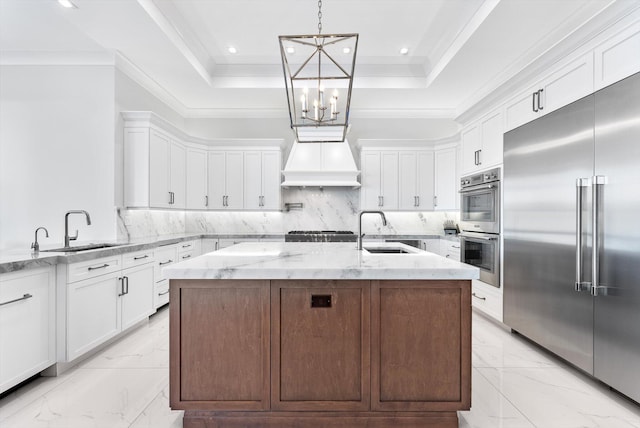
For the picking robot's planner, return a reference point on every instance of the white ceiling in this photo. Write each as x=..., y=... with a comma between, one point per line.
x=459, y=50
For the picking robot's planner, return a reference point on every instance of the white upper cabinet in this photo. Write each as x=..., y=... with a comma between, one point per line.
x=446, y=180
x=379, y=189
x=226, y=180
x=567, y=84
x=196, y=176
x=154, y=169
x=271, y=179
x=618, y=57
x=416, y=181
x=482, y=143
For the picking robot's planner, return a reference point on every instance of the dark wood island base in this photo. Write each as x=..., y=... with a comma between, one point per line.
x=320, y=353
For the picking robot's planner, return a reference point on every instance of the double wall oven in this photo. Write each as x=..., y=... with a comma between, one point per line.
x=480, y=224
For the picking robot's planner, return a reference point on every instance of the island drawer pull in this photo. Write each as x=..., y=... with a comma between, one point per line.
x=166, y=263
x=90, y=268
x=24, y=297
x=478, y=297
x=321, y=300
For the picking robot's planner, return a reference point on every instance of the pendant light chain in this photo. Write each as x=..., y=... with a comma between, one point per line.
x=319, y=16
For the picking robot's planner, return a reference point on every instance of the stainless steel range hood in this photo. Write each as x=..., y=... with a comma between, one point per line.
x=321, y=165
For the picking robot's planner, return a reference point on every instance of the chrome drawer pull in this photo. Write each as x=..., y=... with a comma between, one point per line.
x=478, y=297
x=186, y=257
x=24, y=297
x=162, y=294
x=97, y=267
x=166, y=263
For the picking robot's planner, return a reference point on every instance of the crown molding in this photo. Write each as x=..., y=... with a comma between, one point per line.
x=91, y=58
x=414, y=113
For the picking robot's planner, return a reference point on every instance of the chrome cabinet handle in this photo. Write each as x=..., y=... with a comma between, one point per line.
x=206, y=201
x=141, y=257
x=540, y=107
x=90, y=268
x=581, y=185
x=382, y=201
x=121, y=293
x=127, y=281
x=533, y=102
x=478, y=297
x=24, y=297
x=596, y=288
x=435, y=201
x=163, y=293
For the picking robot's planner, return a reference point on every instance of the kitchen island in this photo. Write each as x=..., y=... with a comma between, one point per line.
x=320, y=335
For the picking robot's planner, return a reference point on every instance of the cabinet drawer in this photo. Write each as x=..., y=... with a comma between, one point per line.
x=188, y=246
x=164, y=256
x=137, y=258
x=186, y=255
x=487, y=298
x=450, y=250
x=93, y=268
x=161, y=293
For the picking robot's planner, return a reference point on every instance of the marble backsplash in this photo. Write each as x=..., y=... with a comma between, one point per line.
x=322, y=209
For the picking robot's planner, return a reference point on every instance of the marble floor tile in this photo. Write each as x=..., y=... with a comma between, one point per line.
x=158, y=414
x=557, y=397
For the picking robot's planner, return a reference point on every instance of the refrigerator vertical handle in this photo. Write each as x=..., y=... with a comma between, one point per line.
x=581, y=183
x=596, y=288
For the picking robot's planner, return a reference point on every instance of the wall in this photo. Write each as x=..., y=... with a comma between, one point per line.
x=327, y=209
x=56, y=152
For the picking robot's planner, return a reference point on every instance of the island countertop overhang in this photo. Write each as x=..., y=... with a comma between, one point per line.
x=280, y=260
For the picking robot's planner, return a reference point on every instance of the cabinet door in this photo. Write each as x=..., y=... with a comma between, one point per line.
x=137, y=302
x=159, y=172
x=407, y=181
x=618, y=57
x=471, y=143
x=371, y=180
x=315, y=325
x=93, y=313
x=492, y=140
x=196, y=187
x=216, y=180
x=271, y=172
x=389, y=180
x=252, y=180
x=27, y=324
x=425, y=181
x=519, y=111
x=568, y=84
x=446, y=180
x=421, y=345
x=178, y=175
x=221, y=353
x=234, y=180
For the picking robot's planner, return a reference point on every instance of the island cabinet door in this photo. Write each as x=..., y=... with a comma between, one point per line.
x=421, y=345
x=219, y=354
x=320, y=345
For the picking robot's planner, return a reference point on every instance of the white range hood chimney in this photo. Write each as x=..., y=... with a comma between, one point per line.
x=321, y=165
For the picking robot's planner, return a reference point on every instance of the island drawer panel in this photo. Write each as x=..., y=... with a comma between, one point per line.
x=223, y=359
x=420, y=359
x=320, y=348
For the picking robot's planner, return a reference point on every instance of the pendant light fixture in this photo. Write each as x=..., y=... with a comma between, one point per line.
x=318, y=73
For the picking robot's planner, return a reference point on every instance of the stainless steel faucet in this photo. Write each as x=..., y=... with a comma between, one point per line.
x=360, y=234
x=34, y=245
x=67, y=238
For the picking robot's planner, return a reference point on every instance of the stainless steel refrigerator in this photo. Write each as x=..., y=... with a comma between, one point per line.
x=566, y=175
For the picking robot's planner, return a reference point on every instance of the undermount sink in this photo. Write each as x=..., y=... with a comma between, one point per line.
x=387, y=250
x=81, y=248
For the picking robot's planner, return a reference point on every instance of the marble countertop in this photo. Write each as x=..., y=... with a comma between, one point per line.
x=314, y=260
x=19, y=259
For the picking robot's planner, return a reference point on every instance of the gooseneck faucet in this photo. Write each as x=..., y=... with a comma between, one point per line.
x=360, y=234
x=35, y=246
x=67, y=238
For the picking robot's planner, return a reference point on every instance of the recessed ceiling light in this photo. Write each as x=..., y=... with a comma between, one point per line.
x=346, y=50
x=67, y=4
x=232, y=50
x=291, y=50
x=404, y=51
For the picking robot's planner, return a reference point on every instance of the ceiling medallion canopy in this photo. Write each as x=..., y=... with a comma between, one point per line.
x=318, y=73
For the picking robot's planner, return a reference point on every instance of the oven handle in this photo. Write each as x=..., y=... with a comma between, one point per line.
x=484, y=238
x=473, y=189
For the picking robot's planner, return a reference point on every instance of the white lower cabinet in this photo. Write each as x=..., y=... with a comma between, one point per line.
x=431, y=245
x=105, y=302
x=450, y=249
x=487, y=299
x=27, y=324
